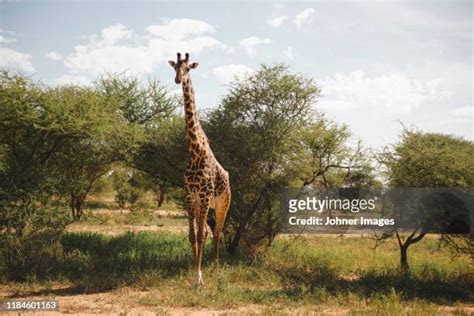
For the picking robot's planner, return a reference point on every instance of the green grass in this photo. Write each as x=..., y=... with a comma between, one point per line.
x=313, y=273
x=320, y=272
x=100, y=261
x=139, y=217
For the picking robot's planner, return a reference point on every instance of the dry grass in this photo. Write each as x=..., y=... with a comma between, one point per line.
x=115, y=222
x=138, y=263
x=150, y=272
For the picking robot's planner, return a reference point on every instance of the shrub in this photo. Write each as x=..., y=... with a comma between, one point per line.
x=121, y=197
x=29, y=239
x=252, y=133
x=131, y=195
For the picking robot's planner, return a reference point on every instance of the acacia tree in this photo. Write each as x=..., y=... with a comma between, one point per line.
x=163, y=155
x=152, y=108
x=58, y=142
x=253, y=134
x=30, y=135
x=105, y=139
x=83, y=159
x=460, y=244
x=427, y=160
x=43, y=129
x=329, y=160
x=61, y=140
x=118, y=110
x=138, y=103
x=32, y=132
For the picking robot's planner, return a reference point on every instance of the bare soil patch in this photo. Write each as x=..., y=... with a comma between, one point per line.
x=126, y=301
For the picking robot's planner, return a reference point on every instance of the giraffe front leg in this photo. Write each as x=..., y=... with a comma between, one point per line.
x=201, y=231
x=192, y=211
x=193, y=238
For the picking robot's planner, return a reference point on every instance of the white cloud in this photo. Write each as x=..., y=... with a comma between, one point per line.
x=393, y=93
x=96, y=58
x=4, y=38
x=118, y=49
x=74, y=80
x=54, y=55
x=230, y=72
x=301, y=19
x=115, y=33
x=179, y=29
x=464, y=112
x=304, y=17
x=288, y=53
x=277, y=21
x=250, y=44
x=10, y=58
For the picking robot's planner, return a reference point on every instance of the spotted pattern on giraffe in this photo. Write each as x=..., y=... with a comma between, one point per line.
x=206, y=182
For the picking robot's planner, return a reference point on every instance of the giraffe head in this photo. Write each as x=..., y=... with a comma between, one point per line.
x=182, y=67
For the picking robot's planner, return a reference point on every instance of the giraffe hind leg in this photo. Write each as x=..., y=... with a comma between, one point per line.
x=222, y=206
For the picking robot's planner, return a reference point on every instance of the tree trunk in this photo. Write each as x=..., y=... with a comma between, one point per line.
x=161, y=197
x=78, y=207
x=73, y=209
x=404, y=248
x=404, y=258
x=234, y=244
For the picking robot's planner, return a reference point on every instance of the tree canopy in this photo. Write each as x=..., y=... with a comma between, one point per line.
x=427, y=160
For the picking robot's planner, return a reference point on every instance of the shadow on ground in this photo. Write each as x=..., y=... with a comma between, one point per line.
x=97, y=263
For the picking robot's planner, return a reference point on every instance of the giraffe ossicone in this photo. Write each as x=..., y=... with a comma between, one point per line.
x=206, y=181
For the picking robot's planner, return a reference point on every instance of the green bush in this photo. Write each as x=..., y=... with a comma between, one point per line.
x=271, y=101
x=29, y=240
x=134, y=196
x=131, y=195
x=121, y=198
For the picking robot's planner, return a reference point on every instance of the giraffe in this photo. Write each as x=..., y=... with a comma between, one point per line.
x=206, y=181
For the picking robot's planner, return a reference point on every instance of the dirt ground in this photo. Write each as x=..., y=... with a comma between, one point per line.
x=117, y=229
x=120, y=229
x=125, y=302
x=119, y=302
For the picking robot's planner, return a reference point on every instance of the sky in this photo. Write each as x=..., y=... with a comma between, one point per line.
x=381, y=65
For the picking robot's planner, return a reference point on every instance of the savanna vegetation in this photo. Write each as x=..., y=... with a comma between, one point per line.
x=91, y=201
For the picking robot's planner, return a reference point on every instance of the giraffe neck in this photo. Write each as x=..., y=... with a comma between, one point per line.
x=194, y=133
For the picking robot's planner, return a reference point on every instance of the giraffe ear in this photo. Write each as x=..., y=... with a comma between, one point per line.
x=172, y=63
x=193, y=65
